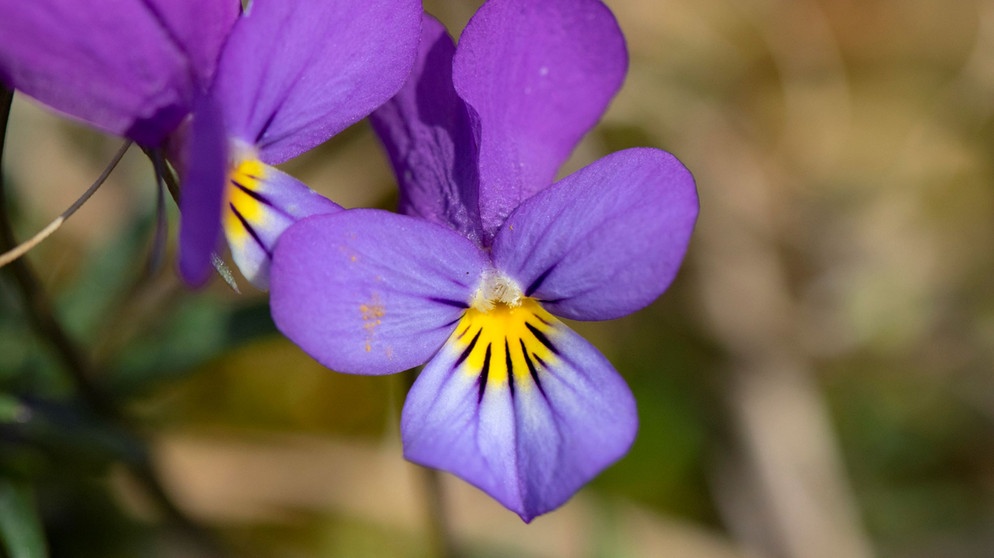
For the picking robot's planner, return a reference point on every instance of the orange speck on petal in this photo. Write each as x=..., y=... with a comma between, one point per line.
x=371, y=314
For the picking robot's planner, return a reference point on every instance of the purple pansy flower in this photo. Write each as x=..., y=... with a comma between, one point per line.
x=472, y=280
x=262, y=88
x=291, y=75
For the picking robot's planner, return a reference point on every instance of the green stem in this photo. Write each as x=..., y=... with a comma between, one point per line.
x=21, y=532
x=165, y=173
x=156, y=255
x=439, y=530
x=41, y=314
x=39, y=307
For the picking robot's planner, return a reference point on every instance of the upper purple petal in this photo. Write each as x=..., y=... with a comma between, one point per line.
x=199, y=28
x=538, y=76
x=371, y=292
x=206, y=165
x=118, y=66
x=527, y=419
x=295, y=73
x=604, y=241
x=426, y=131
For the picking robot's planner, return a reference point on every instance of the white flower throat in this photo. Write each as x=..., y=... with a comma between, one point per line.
x=496, y=288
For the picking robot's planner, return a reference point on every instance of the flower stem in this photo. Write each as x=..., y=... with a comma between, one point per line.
x=39, y=307
x=26, y=246
x=439, y=530
x=165, y=174
x=41, y=315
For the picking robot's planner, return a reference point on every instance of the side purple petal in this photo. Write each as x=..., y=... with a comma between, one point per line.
x=199, y=28
x=604, y=241
x=530, y=444
x=294, y=74
x=371, y=292
x=203, y=180
x=426, y=132
x=538, y=76
x=114, y=67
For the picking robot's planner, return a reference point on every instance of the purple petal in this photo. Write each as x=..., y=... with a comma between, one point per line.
x=115, y=67
x=203, y=190
x=262, y=202
x=527, y=413
x=199, y=28
x=371, y=292
x=538, y=75
x=425, y=129
x=604, y=241
x=294, y=74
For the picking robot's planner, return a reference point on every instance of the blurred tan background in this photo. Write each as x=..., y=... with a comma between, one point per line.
x=817, y=383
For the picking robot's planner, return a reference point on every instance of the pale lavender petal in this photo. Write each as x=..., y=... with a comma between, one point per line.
x=262, y=202
x=199, y=28
x=426, y=131
x=200, y=201
x=295, y=73
x=114, y=67
x=527, y=414
x=604, y=241
x=538, y=75
x=371, y=292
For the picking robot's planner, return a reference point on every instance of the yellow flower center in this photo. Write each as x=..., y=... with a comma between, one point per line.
x=505, y=338
x=243, y=210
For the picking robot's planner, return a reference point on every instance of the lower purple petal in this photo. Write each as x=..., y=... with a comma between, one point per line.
x=371, y=292
x=206, y=159
x=521, y=407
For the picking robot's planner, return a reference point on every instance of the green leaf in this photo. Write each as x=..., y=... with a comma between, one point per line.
x=196, y=330
x=20, y=528
x=11, y=409
x=105, y=274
